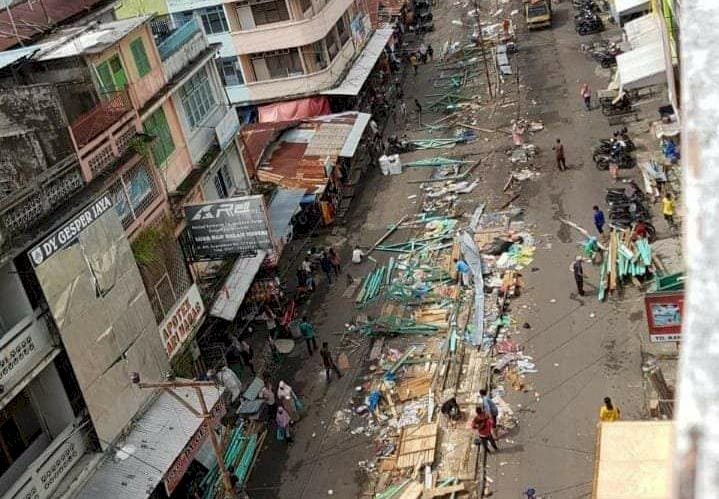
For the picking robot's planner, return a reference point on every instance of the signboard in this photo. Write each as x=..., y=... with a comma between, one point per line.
x=227, y=128
x=228, y=227
x=664, y=315
x=182, y=462
x=182, y=5
x=182, y=321
x=68, y=233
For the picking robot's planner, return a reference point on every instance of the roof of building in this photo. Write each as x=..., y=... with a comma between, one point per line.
x=25, y=21
x=139, y=463
x=293, y=154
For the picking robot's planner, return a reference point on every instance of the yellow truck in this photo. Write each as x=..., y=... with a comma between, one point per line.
x=538, y=13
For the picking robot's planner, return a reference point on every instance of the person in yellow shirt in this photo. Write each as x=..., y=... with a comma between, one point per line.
x=668, y=208
x=609, y=412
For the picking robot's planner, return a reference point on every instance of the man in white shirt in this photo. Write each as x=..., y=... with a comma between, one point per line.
x=357, y=255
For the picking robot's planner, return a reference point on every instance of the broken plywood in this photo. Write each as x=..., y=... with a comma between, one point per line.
x=414, y=387
x=417, y=445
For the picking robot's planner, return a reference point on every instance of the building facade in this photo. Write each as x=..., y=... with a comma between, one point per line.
x=277, y=49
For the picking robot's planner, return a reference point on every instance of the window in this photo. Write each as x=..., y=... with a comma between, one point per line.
x=140, y=56
x=163, y=145
x=133, y=193
x=230, y=71
x=213, y=19
x=278, y=64
x=223, y=182
x=270, y=12
x=19, y=427
x=331, y=41
x=342, y=30
x=318, y=50
x=111, y=75
x=197, y=98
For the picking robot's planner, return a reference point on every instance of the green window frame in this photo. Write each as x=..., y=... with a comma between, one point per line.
x=141, y=61
x=111, y=75
x=197, y=98
x=163, y=145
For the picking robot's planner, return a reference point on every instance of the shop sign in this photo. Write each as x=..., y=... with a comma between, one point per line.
x=182, y=321
x=179, y=467
x=664, y=315
x=69, y=232
x=182, y=5
x=227, y=128
x=228, y=227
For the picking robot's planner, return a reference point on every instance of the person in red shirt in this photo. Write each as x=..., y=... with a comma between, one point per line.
x=483, y=425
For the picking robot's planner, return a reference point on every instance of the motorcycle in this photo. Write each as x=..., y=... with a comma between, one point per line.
x=621, y=158
x=606, y=58
x=588, y=26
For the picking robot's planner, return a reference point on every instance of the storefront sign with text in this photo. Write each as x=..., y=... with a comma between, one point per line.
x=182, y=321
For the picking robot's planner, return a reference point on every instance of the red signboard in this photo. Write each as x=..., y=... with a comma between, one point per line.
x=664, y=315
x=174, y=475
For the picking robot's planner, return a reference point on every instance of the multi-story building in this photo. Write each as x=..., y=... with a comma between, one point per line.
x=106, y=132
x=279, y=49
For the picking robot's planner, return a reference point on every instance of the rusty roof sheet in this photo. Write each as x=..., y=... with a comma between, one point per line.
x=27, y=20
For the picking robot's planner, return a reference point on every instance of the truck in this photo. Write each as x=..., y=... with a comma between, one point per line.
x=538, y=13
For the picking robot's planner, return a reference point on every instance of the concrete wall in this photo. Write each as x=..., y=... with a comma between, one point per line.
x=14, y=305
x=33, y=133
x=50, y=401
x=106, y=323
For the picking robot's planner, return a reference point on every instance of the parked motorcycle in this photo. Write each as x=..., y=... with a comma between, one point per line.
x=588, y=25
x=622, y=159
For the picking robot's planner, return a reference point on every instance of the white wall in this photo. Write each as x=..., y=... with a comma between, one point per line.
x=50, y=400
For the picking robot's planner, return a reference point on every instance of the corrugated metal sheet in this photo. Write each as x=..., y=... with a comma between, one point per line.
x=31, y=19
x=474, y=259
x=138, y=464
x=362, y=67
x=233, y=292
x=282, y=208
x=353, y=139
x=10, y=56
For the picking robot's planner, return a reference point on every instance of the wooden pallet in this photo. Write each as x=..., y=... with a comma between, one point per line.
x=417, y=445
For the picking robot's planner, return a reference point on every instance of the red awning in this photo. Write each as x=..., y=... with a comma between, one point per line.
x=294, y=109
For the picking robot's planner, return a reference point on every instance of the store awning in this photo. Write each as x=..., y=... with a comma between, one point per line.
x=642, y=31
x=353, y=139
x=294, y=109
x=233, y=291
x=134, y=467
x=624, y=8
x=642, y=67
x=633, y=459
x=357, y=75
x=284, y=205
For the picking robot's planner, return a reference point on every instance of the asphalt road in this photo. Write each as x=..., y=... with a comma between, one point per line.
x=584, y=350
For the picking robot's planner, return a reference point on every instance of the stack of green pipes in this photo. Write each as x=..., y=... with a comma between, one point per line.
x=436, y=143
x=371, y=286
x=239, y=454
x=392, y=324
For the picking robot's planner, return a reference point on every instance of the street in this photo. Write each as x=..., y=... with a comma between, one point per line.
x=583, y=349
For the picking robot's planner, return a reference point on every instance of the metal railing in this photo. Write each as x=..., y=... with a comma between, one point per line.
x=178, y=38
x=101, y=117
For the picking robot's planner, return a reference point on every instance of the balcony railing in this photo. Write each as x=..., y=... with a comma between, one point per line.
x=22, y=348
x=178, y=38
x=46, y=473
x=101, y=117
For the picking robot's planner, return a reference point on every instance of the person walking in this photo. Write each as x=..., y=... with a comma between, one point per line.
x=283, y=425
x=246, y=354
x=326, y=266
x=335, y=261
x=609, y=412
x=423, y=53
x=268, y=395
x=482, y=424
x=403, y=109
x=559, y=155
x=489, y=406
x=308, y=333
x=578, y=272
x=464, y=273
x=328, y=362
x=668, y=209
x=414, y=62
x=307, y=269
x=289, y=400
x=357, y=255
x=430, y=52
x=586, y=92
x=418, y=107
x=598, y=219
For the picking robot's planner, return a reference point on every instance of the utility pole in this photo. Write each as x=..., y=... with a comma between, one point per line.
x=169, y=387
x=481, y=47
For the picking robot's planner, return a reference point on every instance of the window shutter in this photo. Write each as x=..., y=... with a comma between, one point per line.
x=141, y=61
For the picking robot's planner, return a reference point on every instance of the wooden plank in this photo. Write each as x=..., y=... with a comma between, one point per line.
x=442, y=491
x=376, y=351
x=412, y=491
x=417, y=445
x=413, y=388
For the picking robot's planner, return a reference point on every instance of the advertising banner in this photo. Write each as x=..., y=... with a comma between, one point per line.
x=228, y=227
x=182, y=321
x=664, y=315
